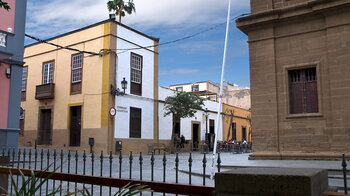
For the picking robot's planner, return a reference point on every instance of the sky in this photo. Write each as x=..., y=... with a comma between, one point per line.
x=192, y=60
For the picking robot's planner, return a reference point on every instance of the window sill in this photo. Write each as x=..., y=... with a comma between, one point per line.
x=304, y=115
x=75, y=92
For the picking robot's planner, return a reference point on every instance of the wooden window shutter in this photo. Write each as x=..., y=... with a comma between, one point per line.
x=135, y=122
x=303, y=91
x=295, y=92
x=311, y=98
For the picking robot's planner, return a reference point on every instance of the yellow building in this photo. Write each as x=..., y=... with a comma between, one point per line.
x=66, y=94
x=236, y=124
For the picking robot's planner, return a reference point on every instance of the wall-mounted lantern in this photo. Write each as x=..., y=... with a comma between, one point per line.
x=117, y=92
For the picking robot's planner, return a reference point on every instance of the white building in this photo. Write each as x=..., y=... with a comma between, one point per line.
x=194, y=128
x=137, y=111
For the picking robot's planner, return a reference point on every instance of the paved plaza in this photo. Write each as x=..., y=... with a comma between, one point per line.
x=229, y=161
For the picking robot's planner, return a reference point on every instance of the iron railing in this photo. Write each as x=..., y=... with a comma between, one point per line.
x=155, y=171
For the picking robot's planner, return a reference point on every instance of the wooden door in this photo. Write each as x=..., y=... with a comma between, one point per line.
x=44, y=136
x=75, y=126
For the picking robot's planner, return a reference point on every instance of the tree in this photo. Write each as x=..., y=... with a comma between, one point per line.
x=5, y=5
x=120, y=7
x=181, y=105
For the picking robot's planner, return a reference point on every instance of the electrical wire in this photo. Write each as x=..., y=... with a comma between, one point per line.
x=63, y=47
x=176, y=40
x=135, y=48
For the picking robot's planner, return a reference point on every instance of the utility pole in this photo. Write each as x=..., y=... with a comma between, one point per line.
x=221, y=89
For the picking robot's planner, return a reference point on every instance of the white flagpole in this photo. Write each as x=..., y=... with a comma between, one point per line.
x=218, y=119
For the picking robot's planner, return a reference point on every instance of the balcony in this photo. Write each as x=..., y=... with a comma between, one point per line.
x=45, y=91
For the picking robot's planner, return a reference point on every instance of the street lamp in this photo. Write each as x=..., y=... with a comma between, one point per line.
x=117, y=92
x=206, y=114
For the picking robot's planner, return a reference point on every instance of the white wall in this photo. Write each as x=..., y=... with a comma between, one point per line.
x=165, y=123
x=145, y=102
x=122, y=122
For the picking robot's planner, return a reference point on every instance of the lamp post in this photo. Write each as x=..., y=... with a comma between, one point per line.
x=206, y=114
x=116, y=91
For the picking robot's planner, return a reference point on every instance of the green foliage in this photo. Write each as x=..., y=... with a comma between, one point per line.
x=5, y=5
x=120, y=7
x=127, y=190
x=32, y=184
x=183, y=105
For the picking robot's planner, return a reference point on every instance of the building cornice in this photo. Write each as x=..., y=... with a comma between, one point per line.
x=252, y=21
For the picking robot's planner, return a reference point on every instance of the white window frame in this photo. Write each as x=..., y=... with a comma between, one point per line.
x=48, y=75
x=3, y=39
x=76, y=66
x=136, y=68
x=179, y=89
x=24, y=78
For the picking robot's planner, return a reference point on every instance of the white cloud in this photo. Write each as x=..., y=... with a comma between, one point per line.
x=179, y=71
x=47, y=18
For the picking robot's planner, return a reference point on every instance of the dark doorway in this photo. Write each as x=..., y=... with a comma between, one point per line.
x=75, y=126
x=195, y=136
x=44, y=136
x=244, y=133
x=212, y=126
x=234, y=132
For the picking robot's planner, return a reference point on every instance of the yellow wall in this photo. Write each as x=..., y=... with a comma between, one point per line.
x=90, y=39
x=241, y=118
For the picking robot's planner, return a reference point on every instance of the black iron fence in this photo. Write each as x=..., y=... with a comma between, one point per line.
x=184, y=169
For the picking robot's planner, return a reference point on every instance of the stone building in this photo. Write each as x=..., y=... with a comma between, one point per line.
x=234, y=95
x=299, y=69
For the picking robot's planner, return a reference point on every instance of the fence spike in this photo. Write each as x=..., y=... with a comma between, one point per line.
x=141, y=162
x=130, y=162
x=84, y=162
x=101, y=171
x=152, y=166
x=13, y=165
x=47, y=167
x=84, y=166
x=76, y=171
x=344, y=173
x=61, y=169
x=190, y=168
x=219, y=162
x=69, y=156
x=35, y=157
x=110, y=169
x=204, y=166
x=120, y=164
x=92, y=169
x=177, y=167
x=41, y=166
x=164, y=166
x=29, y=159
x=9, y=155
x=24, y=157
x=54, y=167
